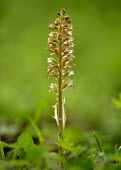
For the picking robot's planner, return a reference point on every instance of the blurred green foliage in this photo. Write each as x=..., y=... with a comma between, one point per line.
x=23, y=38
x=24, y=88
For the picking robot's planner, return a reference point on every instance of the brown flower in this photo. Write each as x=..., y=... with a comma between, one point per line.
x=52, y=26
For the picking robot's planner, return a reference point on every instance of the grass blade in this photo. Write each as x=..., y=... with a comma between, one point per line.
x=98, y=142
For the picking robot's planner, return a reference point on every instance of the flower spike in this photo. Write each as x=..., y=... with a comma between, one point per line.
x=60, y=45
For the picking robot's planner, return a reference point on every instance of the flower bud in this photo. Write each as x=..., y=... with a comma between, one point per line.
x=68, y=83
x=59, y=13
x=63, y=11
x=57, y=21
x=66, y=17
x=68, y=21
x=53, y=33
x=59, y=37
x=52, y=26
x=67, y=26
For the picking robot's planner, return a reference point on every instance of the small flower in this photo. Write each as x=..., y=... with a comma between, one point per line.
x=63, y=11
x=68, y=84
x=72, y=56
x=49, y=70
x=68, y=44
x=50, y=40
x=56, y=51
x=49, y=60
x=59, y=37
x=52, y=72
x=51, y=65
x=57, y=22
x=66, y=17
x=59, y=13
x=68, y=20
x=66, y=61
x=70, y=51
x=71, y=73
x=53, y=33
x=68, y=73
x=69, y=38
x=55, y=88
x=51, y=86
x=67, y=26
x=69, y=32
x=52, y=26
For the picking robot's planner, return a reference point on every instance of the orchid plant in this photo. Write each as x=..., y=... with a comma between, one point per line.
x=60, y=45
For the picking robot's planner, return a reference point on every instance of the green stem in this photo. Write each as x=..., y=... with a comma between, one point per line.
x=98, y=142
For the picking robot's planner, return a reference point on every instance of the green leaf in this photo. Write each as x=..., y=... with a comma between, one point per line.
x=2, y=155
x=2, y=146
x=6, y=145
x=117, y=103
x=76, y=150
x=34, y=154
x=25, y=140
x=14, y=164
x=41, y=140
x=115, y=158
x=80, y=164
x=69, y=146
x=40, y=108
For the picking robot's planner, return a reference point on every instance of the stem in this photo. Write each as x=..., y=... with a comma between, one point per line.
x=98, y=142
x=60, y=135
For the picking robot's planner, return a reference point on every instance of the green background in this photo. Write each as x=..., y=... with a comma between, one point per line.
x=23, y=61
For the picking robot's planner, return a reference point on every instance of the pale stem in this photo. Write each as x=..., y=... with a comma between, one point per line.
x=60, y=136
